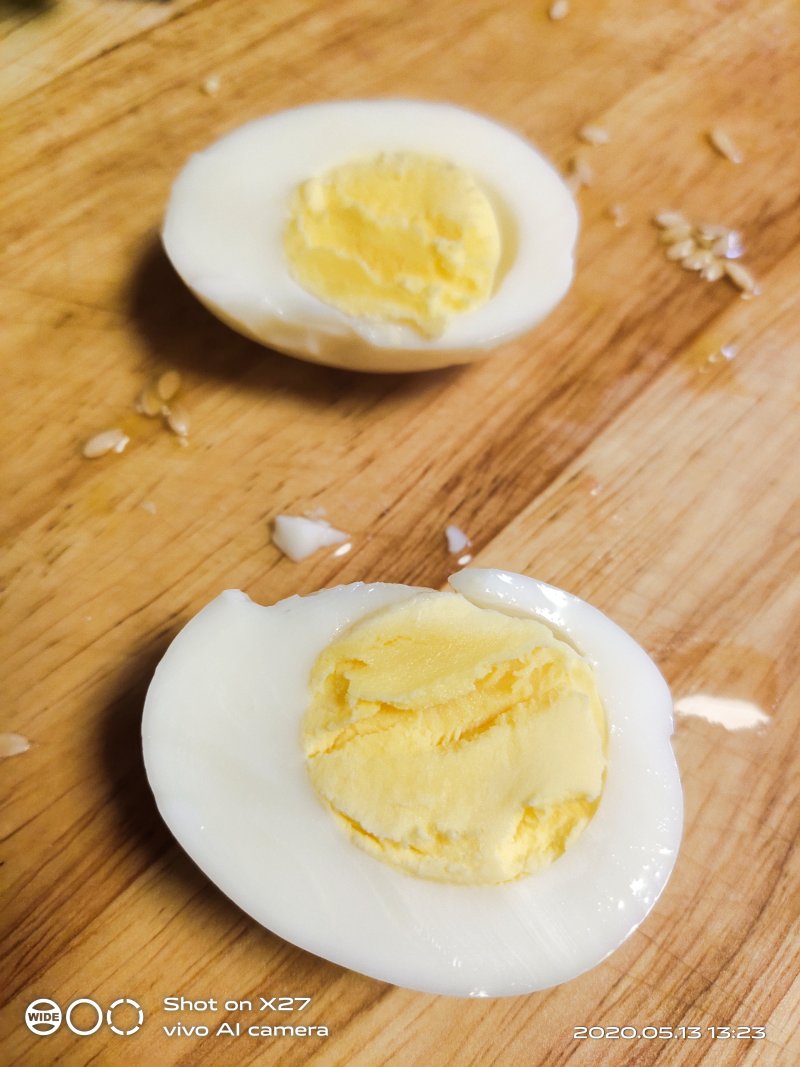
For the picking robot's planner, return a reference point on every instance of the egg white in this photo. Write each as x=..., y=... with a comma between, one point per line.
x=224, y=226
x=221, y=736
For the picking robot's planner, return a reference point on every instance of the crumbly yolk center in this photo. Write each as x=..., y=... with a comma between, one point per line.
x=402, y=238
x=455, y=742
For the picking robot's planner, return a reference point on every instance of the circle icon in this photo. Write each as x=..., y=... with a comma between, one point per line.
x=43, y=1016
x=134, y=1004
x=92, y=1029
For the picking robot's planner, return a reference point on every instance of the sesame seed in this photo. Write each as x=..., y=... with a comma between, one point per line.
x=667, y=219
x=177, y=418
x=168, y=385
x=707, y=234
x=211, y=85
x=558, y=10
x=697, y=260
x=619, y=213
x=580, y=174
x=725, y=145
x=594, y=135
x=713, y=272
x=681, y=249
x=741, y=278
x=149, y=402
x=676, y=233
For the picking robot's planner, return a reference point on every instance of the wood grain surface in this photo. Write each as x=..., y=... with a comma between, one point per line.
x=605, y=453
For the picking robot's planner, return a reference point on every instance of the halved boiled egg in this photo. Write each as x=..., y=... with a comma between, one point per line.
x=382, y=235
x=469, y=792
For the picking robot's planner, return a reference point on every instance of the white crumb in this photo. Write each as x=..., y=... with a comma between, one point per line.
x=457, y=540
x=298, y=537
x=13, y=745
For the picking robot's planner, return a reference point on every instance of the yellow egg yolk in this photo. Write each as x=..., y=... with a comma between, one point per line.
x=403, y=238
x=455, y=742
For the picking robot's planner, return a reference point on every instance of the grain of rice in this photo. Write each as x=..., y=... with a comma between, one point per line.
x=697, y=260
x=149, y=402
x=676, y=233
x=594, y=135
x=707, y=233
x=681, y=249
x=666, y=219
x=619, y=213
x=725, y=145
x=558, y=10
x=103, y=443
x=168, y=385
x=177, y=418
x=741, y=278
x=713, y=272
x=581, y=174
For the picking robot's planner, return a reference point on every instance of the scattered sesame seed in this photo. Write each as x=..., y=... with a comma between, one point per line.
x=725, y=145
x=558, y=10
x=681, y=249
x=211, y=85
x=713, y=272
x=580, y=174
x=149, y=402
x=168, y=385
x=177, y=418
x=594, y=135
x=676, y=233
x=697, y=260
x=619, y=213
x=706, y=248
x=742, y=278
x=667, y=219
x=708, y=234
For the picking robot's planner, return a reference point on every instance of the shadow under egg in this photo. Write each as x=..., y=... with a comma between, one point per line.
x=178, y=331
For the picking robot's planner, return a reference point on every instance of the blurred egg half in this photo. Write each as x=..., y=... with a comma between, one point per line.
x=377, y=235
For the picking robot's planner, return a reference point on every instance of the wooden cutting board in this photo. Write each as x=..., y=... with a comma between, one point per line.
x=613, y=452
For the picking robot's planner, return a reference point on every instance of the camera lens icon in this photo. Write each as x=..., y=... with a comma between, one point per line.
x=43, y=1016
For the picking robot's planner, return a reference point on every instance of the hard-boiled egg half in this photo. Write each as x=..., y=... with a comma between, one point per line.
x=469, y=792
x=379, y=235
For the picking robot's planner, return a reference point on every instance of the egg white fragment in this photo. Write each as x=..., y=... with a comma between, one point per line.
x=224, y=760
x=228, y=210
x=298, y=537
